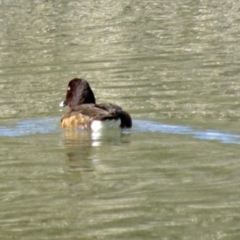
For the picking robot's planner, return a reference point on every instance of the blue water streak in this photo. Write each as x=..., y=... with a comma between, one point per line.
x=148, y=126
x=32, y=126
x=51, y=125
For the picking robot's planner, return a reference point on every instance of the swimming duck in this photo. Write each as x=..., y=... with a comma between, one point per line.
x=85, y=113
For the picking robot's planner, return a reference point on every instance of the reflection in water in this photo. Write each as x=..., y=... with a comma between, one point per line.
x=79, y=137
x=81, y=146
x=78, y=147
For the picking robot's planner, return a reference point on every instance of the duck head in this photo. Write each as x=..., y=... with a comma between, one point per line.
x=78, y=92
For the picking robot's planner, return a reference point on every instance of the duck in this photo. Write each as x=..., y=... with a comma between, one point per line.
x=86, y=113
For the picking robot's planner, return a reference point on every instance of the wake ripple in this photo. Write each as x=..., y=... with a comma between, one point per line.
x=51, y=125
x=148, y=126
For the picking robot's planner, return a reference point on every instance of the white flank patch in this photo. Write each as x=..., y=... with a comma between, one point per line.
x=103, y=128
x=98, y=125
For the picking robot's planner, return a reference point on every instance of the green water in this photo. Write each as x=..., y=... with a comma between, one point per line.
x=167, y=63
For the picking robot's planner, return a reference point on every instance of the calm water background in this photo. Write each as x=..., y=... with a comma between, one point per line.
x=174, y=65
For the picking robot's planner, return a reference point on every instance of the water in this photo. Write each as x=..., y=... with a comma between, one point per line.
x=174, y=66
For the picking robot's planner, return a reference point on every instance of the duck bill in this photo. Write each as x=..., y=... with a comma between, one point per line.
x=63, y=103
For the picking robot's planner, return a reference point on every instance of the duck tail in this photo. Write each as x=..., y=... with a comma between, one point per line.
x=126, y=121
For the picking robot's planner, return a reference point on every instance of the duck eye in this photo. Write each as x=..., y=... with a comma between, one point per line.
x=69, y=88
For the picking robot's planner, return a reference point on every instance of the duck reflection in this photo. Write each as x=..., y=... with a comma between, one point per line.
x=84, y=149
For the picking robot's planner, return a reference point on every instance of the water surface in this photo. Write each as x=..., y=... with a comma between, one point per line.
x=174, y=66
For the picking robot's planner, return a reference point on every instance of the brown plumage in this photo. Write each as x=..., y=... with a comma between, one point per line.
x=84, y=110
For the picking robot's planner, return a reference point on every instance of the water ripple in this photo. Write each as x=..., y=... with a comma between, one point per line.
x=49, y=125
x=31, y=126
x=148, y=126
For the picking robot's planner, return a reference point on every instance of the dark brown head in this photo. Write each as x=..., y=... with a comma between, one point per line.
x=78, y=92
